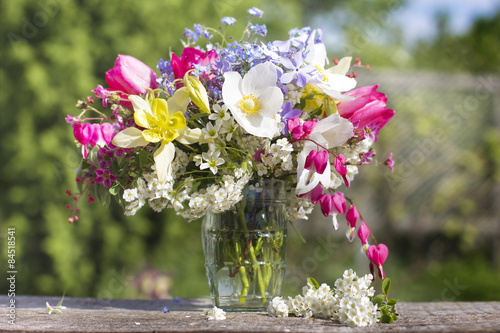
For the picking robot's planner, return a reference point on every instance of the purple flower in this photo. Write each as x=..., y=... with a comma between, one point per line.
x=254, y=11
x=100, y=92
x=389, y=162
x=228, y=20
x=259, y=29
x=104, y=177
x=288, y=113
x=190, y=34
x=105, y=158
x=297, y=70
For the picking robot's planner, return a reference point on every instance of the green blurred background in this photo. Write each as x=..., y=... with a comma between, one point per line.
x=439, y=213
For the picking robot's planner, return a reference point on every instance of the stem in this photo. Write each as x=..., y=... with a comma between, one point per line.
x=251, y=251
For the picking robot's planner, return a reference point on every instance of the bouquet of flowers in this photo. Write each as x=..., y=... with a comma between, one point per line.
x=192, y=136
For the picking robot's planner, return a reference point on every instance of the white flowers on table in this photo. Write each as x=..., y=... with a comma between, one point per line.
x=350, y=301
x=216, y=314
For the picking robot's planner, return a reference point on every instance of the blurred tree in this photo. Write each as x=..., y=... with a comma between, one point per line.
x=54, y=52
x=475, y=51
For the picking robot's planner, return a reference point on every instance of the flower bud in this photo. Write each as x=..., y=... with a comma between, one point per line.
x=131, y=76
x=197, y=92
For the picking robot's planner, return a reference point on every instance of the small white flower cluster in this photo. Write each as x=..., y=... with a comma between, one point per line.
x=216, y=314
x=294, y=93
x=353, y=306
x=350, y=301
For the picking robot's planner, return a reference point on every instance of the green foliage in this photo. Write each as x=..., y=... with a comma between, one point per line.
x=386, y=305
x=55, y=52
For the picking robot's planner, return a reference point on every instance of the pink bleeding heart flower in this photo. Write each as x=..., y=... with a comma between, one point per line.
x=301, y=130
x=314, y=195
x=317, y=158
x=326, y=204
x=108, y=132
x=377, y=255
x=83, y=134
x=340, y=165
x=363, y=234
x=352, y=216
x=338, y=202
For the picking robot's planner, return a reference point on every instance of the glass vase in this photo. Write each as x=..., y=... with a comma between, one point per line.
x=245, y=248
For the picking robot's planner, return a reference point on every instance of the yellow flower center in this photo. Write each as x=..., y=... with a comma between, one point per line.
x=322, y=72
x=250, y=104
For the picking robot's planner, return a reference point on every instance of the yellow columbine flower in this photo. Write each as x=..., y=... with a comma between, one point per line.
x=163, y=121
x=159, y=123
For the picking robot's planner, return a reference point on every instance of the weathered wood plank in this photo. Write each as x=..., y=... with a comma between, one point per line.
x=98, y=315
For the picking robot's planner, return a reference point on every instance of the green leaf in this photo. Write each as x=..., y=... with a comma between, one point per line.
x=115, y=189
x=386, y=285
x=378, y=300
x=198, y=116
x=391, y=301
x=143, y=157
x=314, y=283
x=386, y=319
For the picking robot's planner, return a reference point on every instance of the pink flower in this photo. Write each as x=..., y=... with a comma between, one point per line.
x=389, y=162
x=131, y=76
x=378, y=255
x=190, y=57
x=352, y=216
x=314, y=195
x=317, y=158
x=326, y=204
x=338, y=202
x=367, y=111
x=363, y=234
x=104, y=177
x=301, y=130
x=340, y=166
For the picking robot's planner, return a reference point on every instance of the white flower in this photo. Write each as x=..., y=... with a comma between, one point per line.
x=211, y=131
x=255, y=99
x=216, y=314
x=212, y=161
x=220, y=114
x=329, y=132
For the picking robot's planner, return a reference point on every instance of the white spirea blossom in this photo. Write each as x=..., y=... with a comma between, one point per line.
x=216, y=314
x=349, y=302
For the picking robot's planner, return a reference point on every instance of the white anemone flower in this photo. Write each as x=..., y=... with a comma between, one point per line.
x=255, y=99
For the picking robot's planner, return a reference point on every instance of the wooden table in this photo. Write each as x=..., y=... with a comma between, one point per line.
x=115, y=315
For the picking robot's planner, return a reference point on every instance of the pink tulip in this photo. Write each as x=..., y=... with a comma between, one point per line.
x=378, y=255
x=131, y=76
x=367, y=111
x=190, y=57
